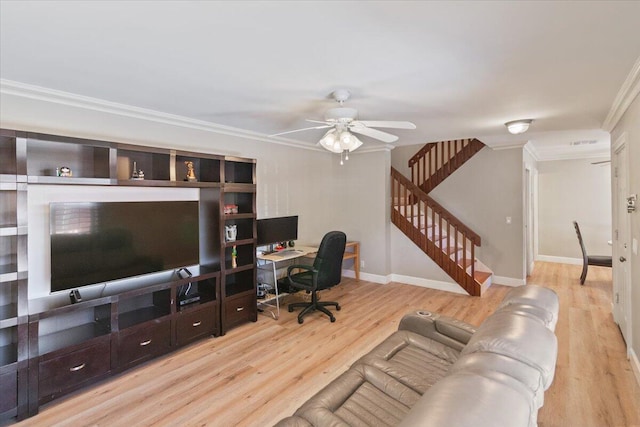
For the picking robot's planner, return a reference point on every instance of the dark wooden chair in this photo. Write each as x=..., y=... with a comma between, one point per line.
x=587, y=260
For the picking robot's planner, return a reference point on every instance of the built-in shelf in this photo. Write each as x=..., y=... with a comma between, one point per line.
x=8, y=354
x=72, y=336
x=41, y=350
x=141, y=315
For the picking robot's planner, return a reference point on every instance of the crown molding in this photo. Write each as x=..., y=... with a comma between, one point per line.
x=627, y=93
x=510, y=146
x=533, y=152
x=24, y=90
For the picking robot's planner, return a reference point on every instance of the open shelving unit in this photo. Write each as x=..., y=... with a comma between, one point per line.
x=238, y=210
x=50, y=349
x=13, y=276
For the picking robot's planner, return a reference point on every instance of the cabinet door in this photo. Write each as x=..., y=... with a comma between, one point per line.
x=194, y=324
x=67, y=372
x=143, y=342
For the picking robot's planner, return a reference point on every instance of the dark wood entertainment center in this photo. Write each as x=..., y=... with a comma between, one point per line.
x=50, y=349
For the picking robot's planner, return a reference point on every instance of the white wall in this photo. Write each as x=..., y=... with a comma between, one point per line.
x=574, y=190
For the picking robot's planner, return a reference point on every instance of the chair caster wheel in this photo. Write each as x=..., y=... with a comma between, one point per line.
x=338, y=307
x=333, y=319
x=290, y=309
x=301, y=321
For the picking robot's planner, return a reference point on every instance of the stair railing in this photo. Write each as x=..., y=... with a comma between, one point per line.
x=437, y=160
x=417, y=215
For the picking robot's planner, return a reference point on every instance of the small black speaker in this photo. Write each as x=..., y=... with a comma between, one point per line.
x=74, y=296
x=292, y=243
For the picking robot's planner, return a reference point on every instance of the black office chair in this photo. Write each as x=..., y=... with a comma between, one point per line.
x=597, y=260
x=325, y=273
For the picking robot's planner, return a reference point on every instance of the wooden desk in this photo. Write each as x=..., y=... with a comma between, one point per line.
x=352, y=251
x=273, y=259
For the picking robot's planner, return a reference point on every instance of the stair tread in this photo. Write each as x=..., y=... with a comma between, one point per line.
x=481, y=276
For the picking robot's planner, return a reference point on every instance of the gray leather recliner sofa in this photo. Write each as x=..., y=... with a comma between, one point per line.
x=437, y=371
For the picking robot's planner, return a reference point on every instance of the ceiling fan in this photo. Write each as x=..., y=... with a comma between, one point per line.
x=343, y=122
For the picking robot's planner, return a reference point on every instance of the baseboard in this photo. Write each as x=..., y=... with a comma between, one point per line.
x=559, y=259
x=635, y=365
x=427, y=283
x=507, y=281
x=375, y=278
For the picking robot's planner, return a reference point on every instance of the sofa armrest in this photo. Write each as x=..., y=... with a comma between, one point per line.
x=446, y=330
x=293, y=421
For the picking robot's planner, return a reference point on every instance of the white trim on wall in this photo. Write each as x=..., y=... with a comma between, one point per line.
x=375, y=278
x=627, y=93
x=507, y=281
x=427, y=283
x=559, y=259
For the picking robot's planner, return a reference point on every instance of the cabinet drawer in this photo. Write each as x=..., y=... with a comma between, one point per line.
x=8, y=391
x=143, y=342
x=194, y=324
x=72, y=370
x=240, y=309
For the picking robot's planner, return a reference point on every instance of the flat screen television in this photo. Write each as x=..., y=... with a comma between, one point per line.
x=95, y=242
x=274, y=230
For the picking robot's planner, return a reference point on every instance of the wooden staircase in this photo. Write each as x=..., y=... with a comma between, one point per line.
x=437, y=160
x=440, y=235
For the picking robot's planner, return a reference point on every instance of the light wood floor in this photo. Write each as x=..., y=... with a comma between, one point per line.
x=261, y=372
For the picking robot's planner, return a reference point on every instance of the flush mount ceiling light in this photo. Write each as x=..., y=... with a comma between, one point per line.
x=518, y=126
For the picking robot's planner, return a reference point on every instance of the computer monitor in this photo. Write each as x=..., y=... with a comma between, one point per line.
x=274, y=230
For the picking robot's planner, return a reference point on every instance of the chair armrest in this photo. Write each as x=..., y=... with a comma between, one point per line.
x=446, y=330
x=307, y=267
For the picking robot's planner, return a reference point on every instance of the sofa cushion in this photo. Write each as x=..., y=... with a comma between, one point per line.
x=481, y=363
x=536, y=301
x=362, y=396
x=465, y=399
x=518, y=337
x=415, y=361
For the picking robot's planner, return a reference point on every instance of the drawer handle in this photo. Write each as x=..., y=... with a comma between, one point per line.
x=76, y=368
x=198, y=323
x=239, y=308
x=144, y=343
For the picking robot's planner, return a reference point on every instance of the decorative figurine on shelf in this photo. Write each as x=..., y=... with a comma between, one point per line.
x=191, y=174
x=137, y=174
x=234, y=257
x=64, y=171
x=230, y=233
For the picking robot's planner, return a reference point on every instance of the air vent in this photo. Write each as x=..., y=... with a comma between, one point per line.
x=584, y=142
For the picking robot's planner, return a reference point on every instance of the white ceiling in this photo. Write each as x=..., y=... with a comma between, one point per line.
x=455, y=69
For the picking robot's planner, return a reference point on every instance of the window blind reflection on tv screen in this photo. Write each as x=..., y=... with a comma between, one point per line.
x=95, y=242
x=275, y=230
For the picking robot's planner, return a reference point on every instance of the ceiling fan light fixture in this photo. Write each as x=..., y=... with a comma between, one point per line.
x=330, y=142
x=518, y=126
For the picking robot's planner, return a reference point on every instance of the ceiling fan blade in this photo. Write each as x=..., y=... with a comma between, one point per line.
x=387, y=124
x=300, y=130
x=373, y=133
x=319, y=121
